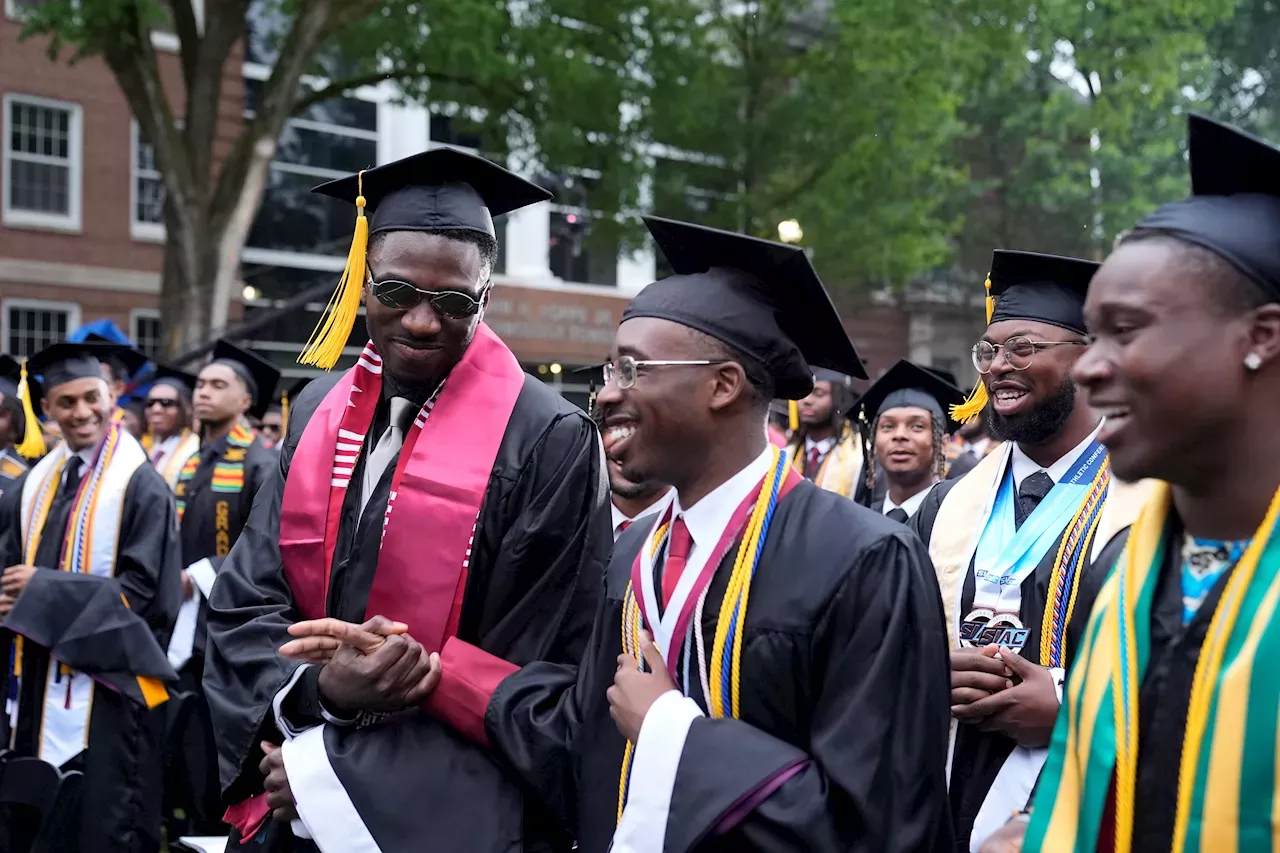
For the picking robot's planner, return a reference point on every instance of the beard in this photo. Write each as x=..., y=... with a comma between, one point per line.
x=1040, y=424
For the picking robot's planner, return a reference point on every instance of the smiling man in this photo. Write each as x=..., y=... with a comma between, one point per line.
x=1185, y=315
x=170, y=441
x=630, y=502
x=794, y=696
x=92, y=511
x=1012, y=541
x=499, y=535
x=906, y=411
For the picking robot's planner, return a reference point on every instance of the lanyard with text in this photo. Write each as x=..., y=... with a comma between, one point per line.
x=1007, y=554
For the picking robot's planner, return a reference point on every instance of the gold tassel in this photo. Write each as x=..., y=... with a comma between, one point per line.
x=977, y=400
x=17, y=656
x=32, y=445
x=284, y=416
x=324, y=348
x=793, y=415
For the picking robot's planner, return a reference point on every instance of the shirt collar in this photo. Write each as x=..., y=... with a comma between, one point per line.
x=619, y=518
x=1024, y=467
x=911, y=504
x=824, y=446
x=707, y=519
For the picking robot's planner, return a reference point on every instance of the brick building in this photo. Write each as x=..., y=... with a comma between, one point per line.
x=81, y=226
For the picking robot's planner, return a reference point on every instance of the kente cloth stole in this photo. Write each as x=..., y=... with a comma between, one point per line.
x=437, y=488
x=1227, y=778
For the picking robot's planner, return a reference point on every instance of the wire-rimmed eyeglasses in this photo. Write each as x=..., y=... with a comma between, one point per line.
x=625, y=370
x=1018, y=352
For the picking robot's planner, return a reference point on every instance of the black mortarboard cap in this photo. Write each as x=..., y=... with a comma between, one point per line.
x=833, y=376
x=1234, y=208
x=179, y=379
x=1045, y=288
x=439, y=189
x=66, y=361
x=762, y=298
x=121, y=357
x=907, y=384
x=10, y=375
x=259, y=374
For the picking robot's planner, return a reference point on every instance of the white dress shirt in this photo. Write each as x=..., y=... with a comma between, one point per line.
x=1024, y=467
x=911, y=504
x=824, y=446
x=162, y=450
x=620, y=518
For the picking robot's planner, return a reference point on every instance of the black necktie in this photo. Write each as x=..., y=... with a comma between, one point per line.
x=72, y=480
x=897, y=514
x=1030, y=493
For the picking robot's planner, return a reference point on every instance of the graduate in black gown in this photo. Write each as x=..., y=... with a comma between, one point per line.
x=499, y=535
x=826, y=729
x=215, y=490
x=1185, y=363
x=97, y=508
x=996, y=538
x=905, y=411
x=12, y=425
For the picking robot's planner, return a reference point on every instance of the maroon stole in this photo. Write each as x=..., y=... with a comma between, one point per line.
x=436, y=491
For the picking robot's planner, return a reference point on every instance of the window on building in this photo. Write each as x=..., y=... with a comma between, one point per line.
x=31, y=325
x=148, y=188
x=144, y=329
x=329, y=140
x=41, y=162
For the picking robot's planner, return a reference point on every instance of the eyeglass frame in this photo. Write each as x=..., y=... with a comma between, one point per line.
x=162, y=402
x=611, y=370
x=997, y=348
x=476, y=303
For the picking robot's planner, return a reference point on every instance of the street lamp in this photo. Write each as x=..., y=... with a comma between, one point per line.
x=789, y=231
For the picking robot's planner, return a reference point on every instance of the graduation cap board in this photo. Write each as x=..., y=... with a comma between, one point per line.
x=906, y=384
x=184, y=382
x=85, y=623
x=10, y=375
x=442, y=189
x=1031, y=286
x=259, y=375
x=1234, y=207
x=762, y=298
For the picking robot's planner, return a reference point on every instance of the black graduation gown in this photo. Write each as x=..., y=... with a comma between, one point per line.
x=978, y=755
x=1165, y=694
x=542, y=540
x=122, y=774
x=211, y=523
x=844, y=663
x=12, y=467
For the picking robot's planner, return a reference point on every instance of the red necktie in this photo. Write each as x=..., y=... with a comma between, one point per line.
x=677, y=555
x=813, y=460
x=623, y=526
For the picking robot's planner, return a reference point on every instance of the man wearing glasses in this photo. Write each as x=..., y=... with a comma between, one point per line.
x=170, y=441
x=1013, y=540
x=432, y=490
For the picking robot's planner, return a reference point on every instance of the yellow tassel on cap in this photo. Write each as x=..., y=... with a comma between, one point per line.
x=331, y=333
x=793, y=415
x=32, y=445
x=977, y=401
x=284, y=415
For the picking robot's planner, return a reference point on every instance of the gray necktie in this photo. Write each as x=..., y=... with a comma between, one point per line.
x=402, y=413
x=897, y=514
x=1030, y=494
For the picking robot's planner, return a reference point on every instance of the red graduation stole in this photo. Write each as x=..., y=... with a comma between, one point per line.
x=436, y=491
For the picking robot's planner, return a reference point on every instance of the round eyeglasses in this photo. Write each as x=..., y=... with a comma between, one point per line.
x=625, y=370
x=1018, y=352
x=403, y=296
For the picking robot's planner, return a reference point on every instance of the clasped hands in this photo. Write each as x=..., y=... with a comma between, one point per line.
x=375, y=666
x=997, y=689
x=13, y=582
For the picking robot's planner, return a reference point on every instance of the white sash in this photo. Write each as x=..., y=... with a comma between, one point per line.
x=64, y=732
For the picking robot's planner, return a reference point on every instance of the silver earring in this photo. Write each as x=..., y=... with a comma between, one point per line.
x=1252, y=361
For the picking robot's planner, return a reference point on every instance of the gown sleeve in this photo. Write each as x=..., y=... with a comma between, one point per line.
x=149, y=563
x=11, y=524
x=873, y=778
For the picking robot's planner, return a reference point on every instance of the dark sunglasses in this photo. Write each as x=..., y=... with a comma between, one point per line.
x=402, y=296
x=164, y=404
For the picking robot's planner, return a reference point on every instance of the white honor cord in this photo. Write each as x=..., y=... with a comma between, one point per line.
x=702, y=651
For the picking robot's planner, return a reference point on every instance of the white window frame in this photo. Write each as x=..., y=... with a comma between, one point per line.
x=71, y=222
x=136, y=314
x=72, y=310
x=148, y=232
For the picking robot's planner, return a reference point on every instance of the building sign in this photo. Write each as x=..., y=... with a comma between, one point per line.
x=555, y=325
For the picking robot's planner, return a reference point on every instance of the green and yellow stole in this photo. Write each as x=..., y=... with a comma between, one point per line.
x=1229, y=777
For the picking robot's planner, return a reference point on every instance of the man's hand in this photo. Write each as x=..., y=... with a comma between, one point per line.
x=634, y=692
x=1025, y=712
x=1008, y=838
x=372, y=672
x=279, y=796
x=15, y=578
x=6, y=604
x=319, y=639
x=186, y=586
x=976, y=674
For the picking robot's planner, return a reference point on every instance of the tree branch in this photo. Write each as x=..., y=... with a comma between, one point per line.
x=337, y=89
x=188, y=32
